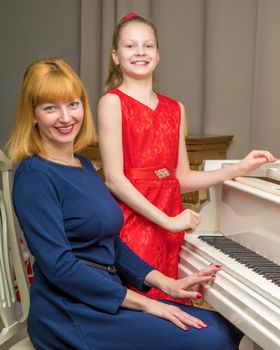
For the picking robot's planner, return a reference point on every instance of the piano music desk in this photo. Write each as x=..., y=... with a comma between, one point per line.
x=202, y=148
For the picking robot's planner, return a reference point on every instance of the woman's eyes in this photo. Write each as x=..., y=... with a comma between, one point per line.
x=53, y=108
x=74, y=104
x=50, y=108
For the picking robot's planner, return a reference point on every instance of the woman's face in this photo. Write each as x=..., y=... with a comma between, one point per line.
x=59, y=122
x=137, y=54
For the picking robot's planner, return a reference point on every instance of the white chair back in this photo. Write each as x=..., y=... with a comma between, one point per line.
x=13, y=315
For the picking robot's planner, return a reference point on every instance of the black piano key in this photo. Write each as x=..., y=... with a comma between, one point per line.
x=252, y=261
x=250, y=264
x=276, y=281
x=258, y=271
x=248, y=255
x=268, y=274
x=273, y=275
x=261, y=265
x=271, y=269
x=252, y=258
x=235, y=249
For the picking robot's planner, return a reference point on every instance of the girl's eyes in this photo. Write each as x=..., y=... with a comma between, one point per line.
x=148, y=46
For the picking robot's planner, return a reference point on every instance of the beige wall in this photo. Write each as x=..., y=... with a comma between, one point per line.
x=180, y=27
x=31, y=29
x=242, y=74
x=218, y=57
x=266, y=107
x=230, y=31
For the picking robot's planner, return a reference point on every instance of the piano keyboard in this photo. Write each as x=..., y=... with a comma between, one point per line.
x=257, y=272
x=245, y=256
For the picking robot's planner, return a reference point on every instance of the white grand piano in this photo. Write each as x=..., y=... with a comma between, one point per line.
x=240, y=229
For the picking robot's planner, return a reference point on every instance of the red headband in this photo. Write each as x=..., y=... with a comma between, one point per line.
x=129, y=16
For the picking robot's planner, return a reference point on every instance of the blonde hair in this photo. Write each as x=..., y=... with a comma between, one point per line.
x=115, y=77
x=46, y=80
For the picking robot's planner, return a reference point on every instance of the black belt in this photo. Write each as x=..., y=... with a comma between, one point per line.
x=109, y=268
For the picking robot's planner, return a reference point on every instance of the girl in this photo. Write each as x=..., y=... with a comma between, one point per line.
x=71, y=224
x=143, y=151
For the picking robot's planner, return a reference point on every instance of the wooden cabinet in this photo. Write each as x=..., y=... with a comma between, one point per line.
x=92, y=152
x=207, y=147
x=199, y=148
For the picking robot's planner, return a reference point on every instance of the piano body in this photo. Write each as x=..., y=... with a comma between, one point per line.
x=240, y=230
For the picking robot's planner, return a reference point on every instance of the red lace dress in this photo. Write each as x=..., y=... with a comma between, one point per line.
x=150, y=143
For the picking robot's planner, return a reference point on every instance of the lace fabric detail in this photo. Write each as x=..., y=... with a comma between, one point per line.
x=151, y=140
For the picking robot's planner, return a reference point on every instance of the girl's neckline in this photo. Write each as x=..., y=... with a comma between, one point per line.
x=144, y=104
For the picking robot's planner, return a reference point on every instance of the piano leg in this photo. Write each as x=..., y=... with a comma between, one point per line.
x=248, y=344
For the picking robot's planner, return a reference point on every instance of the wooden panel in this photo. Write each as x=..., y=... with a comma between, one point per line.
x=92, y=152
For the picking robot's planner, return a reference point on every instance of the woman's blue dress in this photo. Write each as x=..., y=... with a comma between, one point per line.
x=67, y=214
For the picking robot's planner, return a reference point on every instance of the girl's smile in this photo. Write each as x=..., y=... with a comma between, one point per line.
x=137, y=48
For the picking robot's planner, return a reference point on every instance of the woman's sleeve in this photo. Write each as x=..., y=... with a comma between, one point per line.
x=131, y=267
x=39, y=211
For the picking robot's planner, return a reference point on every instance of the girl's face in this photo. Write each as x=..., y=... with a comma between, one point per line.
x=59, y=122
x=137, y=54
